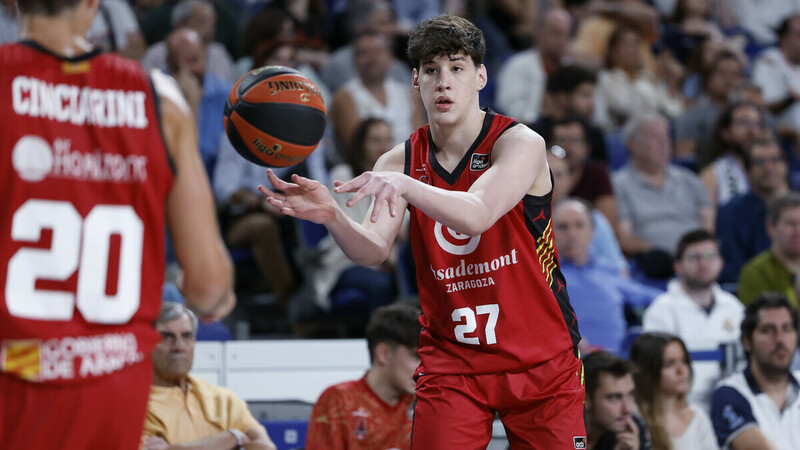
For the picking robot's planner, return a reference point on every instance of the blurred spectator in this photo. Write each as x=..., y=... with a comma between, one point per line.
x=657, y=202
x=362, y=16
x=777, y=71
x=268, y=40
x=611, y=422
x=723, y=173
x=522, y=79
x=249, y=221
x=333, y=270
x=374, y=94
x=517, y=19
x=375, y=411
x=199, y=16
x=9, y=22
x=759, y=408
x=628, y=89
x=599, y=19
x=761, y=18
x=599, y=294
x=663, y=379
x=776, y=268
x=157, y=23
x=186, y=410
x=308, y=21
x=604, y=248
x=115, y=29
x=590, y=179
x=204, y=91
x=695, y=308
x=570, y=92
x=693, y=128
x=411, y=12
x=692, y=21
x=743, y=239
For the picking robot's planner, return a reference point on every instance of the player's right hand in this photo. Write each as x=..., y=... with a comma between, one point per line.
x=304, y=198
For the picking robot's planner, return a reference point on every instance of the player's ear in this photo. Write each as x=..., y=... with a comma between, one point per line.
x=482, y=77
x=415, y=79
x=382, y=353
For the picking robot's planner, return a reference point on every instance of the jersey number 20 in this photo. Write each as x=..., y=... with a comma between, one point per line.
x=76, y=242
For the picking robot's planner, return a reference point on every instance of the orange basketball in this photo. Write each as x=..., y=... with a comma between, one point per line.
x=274, y=116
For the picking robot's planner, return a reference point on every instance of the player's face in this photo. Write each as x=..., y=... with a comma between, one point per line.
x=674, y=370
x=403, y=361
x=449, y=86
x=573, y=232
x=785, y=234
x=613, y=403
x=774, y=341
x=173, y=356
x=700, y=265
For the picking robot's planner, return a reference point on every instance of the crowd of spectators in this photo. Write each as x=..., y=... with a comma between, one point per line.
x=673, y=133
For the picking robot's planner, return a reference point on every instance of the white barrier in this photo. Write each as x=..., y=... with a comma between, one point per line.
x=281, y=370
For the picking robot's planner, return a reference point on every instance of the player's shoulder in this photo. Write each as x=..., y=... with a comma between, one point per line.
x=518, y=134
x=392, y=161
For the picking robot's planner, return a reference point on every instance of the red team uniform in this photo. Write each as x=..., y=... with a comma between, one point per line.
x=495, y=308
x=350, y=416
x=84, y=174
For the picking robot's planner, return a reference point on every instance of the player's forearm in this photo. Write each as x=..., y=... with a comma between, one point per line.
x=462, y=212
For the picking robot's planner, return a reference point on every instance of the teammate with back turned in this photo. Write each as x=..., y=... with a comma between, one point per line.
x=499, y=335
x=88, y=181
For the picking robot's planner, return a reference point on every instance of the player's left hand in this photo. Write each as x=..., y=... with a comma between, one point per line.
x=154, y=443
x=385, y=186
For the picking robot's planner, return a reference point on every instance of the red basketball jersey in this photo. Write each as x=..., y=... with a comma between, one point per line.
x=495, y=302
x=84, y=175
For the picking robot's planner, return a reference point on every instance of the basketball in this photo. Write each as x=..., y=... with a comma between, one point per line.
x=275, y=116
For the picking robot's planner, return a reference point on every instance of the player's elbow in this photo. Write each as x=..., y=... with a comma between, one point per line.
x=206, y=287
x=372, y=259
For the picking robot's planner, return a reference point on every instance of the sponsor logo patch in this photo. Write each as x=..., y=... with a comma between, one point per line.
x=579, y=442
x=479, y=162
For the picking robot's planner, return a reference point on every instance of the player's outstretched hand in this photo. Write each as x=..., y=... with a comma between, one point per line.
x=304, y=198
x=387, y=187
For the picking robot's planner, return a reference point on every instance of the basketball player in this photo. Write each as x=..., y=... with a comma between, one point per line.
x=88, y=181
x=499, y=335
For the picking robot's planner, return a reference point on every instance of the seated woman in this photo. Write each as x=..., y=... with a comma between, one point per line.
x=663, y=380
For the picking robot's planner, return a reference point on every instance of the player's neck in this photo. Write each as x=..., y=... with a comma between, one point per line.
x=378, y=382
x=455, y=139
x=58, y=34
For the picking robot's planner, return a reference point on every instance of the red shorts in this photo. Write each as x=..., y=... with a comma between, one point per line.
x=541, y=408
x=104, y=413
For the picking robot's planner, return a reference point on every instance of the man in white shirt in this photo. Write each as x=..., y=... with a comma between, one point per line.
x=759, y=408
x=696, y=309
x=777, y=72
x=522, y=79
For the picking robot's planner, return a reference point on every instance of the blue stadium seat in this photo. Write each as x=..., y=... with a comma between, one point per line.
x=287, y=434
x=213, y=331
x=615, y=147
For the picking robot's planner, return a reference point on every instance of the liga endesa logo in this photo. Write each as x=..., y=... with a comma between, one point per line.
x=455, y=243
